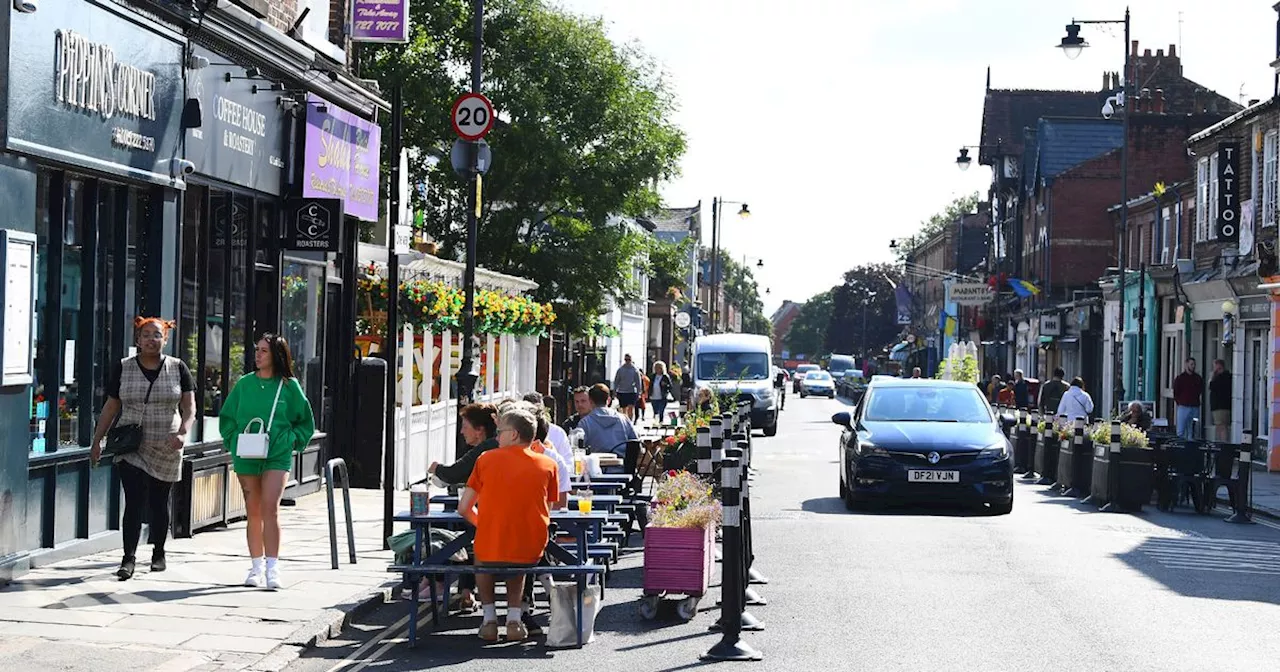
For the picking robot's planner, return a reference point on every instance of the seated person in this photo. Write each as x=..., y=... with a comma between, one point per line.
x=478, y=427
x=1137, y=416
x=513, y=487
x=581, y=406
x=606, y=431
x=554, y=436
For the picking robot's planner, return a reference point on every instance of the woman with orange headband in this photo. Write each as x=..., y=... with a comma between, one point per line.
x=155, y=392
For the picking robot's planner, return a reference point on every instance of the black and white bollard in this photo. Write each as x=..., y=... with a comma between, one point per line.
x=1242, y=498
x=748, y=539
x=703, y=439
x=1113, y=504
x=1079, y=453
x=733, y=580
x=717, y=442
x=1027, y=440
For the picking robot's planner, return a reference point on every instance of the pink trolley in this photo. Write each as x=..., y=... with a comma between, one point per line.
x=677, y=561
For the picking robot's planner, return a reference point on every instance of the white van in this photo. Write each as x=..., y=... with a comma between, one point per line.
x=741, y=364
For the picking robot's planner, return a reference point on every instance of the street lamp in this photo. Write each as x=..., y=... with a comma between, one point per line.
x=963, y=161
x=1072, y=44
x=717, y=204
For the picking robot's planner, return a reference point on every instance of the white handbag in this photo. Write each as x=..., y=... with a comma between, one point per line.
x=257, y=445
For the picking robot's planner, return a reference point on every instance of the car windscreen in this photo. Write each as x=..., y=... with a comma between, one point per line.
x=839, y=364
x=805, y=368
x=817, y=375
x=925, y=404
x=733, y=366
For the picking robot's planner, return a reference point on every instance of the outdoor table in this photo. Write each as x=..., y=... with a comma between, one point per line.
x=603, y=487
x=605, y=502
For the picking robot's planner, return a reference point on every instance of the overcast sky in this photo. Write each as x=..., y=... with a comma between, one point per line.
x=838, y=121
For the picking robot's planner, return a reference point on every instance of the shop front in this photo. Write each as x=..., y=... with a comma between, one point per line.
x=1252, y=368
x=92, y=169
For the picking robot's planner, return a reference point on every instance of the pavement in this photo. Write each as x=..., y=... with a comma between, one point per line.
x=1053, y=586
x=196, y=617
x=1266, y=493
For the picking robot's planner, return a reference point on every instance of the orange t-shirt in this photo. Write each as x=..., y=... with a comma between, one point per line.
x=514, y=486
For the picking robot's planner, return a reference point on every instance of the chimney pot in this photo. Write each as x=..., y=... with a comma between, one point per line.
x=1146, y=53
x=1159, y=102
x=1159, y=53
x=1173, y=51
x=1135, y=48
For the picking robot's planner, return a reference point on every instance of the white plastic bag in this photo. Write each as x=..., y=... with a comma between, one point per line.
x=564, y=615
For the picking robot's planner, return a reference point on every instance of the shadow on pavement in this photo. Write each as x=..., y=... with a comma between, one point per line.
x=1215, y=569
x=835, y=506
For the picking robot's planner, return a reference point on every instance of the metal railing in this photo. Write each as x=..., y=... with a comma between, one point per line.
x=346, y=501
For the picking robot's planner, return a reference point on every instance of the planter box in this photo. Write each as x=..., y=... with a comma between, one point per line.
x=1135, y=479
x=678, y=559
x=1046, y=463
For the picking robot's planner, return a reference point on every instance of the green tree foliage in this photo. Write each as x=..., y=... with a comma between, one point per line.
x=585, y=134
x=808, y=334
x=668, y=266
x=963, y=205
x=741, y=290
x=863, y=310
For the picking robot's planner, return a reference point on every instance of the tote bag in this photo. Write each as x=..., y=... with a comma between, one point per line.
x=257, y=445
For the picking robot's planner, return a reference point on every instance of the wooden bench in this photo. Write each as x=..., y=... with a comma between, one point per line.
x=412, y=573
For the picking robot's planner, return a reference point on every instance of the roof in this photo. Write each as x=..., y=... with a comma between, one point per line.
x=1242, y=115
x=1006, y=112
x=1062, y=144
x=675, y=224
x=878, y=381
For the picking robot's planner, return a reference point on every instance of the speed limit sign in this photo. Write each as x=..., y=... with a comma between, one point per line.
x=472, y=116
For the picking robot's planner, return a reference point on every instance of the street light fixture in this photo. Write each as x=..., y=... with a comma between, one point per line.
x=1072, y=44
x=963, y=161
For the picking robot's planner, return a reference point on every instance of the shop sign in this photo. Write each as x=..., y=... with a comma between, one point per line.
x=230, y=213
x=380, y=20
x=313, y=224
x=969, y=293
x=96, y=87
x=1228, y=224
x=1051, y=325
x=1254, y=308
x=341, y=158
x=241, y=139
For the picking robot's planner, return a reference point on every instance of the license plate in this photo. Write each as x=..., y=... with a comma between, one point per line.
x=932, y=476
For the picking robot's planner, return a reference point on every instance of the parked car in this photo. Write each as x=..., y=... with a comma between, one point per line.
x=851, y=385
x=925, y=441
x=798, y=376
x=819, y=383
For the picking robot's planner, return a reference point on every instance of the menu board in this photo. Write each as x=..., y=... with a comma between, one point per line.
x=19, y=263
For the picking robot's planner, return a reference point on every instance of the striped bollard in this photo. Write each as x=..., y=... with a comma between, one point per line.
x=717, y=442
x=748, y=545
x=733, y=580
x=1242, y=497
x=1113, y=504
x=1050, y=446
x=704, y=452
x=1027, y=439
x=1078, y=456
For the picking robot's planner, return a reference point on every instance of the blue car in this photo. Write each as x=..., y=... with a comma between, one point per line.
x=921, y=441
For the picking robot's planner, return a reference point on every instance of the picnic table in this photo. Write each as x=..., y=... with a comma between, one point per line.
x=577, y=561
x=606, y=502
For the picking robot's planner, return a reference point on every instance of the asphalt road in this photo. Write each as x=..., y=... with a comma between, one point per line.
x=1053, y=586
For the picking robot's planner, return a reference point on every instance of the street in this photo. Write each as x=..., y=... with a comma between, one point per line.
x=1053, y=586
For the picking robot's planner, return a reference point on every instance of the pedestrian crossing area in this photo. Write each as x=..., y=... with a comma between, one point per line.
x=1215, y=555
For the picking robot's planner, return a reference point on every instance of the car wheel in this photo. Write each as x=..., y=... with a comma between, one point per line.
x=850, y=503
x=1001, y=508
x=844, y=490
x=771, y=430
x=803, y=395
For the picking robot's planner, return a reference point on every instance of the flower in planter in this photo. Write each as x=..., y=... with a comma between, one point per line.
x=1130, y=436
x=683, y=500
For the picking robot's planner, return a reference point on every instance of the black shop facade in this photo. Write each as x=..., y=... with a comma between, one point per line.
x=154, y=176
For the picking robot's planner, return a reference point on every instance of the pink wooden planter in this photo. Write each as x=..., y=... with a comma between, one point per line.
x=678, y=560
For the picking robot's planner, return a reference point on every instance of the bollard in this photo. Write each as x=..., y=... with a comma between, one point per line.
x=740, y=440
x=717, y=442
x=1113, y=504
x=1073, y=478
x=1027, y=439
x=742, y=558
x=340, y=465
x=1049, y=449
x=704, y=452
x=1242, y=498
x=1014, y=433
x=732, y=613
x=750, y=596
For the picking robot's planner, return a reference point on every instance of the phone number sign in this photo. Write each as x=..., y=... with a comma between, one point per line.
x=380, y=20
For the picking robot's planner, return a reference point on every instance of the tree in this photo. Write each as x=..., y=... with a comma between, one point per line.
x=585, y=136
x=963, y=205
x=742, y=291
x=808, y=334
x=668, y=266
x=863, y=310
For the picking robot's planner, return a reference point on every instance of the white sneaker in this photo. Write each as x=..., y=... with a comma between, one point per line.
x=273, y=579
x=254, y=579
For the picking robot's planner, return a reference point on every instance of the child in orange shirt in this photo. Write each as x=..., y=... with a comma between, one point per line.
x=514, y=487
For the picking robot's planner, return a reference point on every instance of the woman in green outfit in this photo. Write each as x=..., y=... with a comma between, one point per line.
x=263, y=479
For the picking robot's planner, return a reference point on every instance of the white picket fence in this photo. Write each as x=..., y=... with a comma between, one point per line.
x=428, y=431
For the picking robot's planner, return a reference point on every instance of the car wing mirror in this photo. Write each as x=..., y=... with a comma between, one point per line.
x=842, y=418
x=1008, y=421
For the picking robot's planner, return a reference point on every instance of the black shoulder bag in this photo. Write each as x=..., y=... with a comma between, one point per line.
x=125, y=439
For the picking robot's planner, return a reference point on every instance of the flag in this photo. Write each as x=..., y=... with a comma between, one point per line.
x=1023, y=288
x=947, y=324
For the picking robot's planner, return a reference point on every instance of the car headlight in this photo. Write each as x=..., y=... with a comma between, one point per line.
x=997, y=451
x=865, y=449
x=765, y=394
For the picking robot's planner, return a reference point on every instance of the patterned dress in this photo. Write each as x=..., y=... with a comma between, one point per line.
x=158, y=416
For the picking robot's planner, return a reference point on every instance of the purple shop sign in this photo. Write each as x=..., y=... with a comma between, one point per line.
x=341, y=158
x=380, y=20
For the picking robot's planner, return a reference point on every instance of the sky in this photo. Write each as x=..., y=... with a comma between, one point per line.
x=838, y=121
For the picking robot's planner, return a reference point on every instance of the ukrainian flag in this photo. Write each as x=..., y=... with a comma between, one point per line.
x=1023, y=288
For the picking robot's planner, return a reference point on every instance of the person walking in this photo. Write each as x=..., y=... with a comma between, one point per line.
x=1052, y=391
x=1188, y=388
x=157, y=393
x=642, y=403
x=272, y=400
x=660, y=390
x=1076, y=403
x=1021, y=390
x=1220, y=401
x=627, y=385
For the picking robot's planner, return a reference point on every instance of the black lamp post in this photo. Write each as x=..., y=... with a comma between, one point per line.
x=717, y=204
x=1072, y=45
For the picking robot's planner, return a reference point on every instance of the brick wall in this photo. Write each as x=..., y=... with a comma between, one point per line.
x=282, y=13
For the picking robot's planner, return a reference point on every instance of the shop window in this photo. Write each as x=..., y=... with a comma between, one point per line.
x=213, y=378
x=302, y=320
x=194, y=260
x=41, y=399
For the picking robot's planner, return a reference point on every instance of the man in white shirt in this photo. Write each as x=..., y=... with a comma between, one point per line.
x=556, y=435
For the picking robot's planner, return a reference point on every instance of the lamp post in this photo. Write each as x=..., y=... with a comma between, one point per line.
x=717, y=204
x=469, y=367
x=1072, y=44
